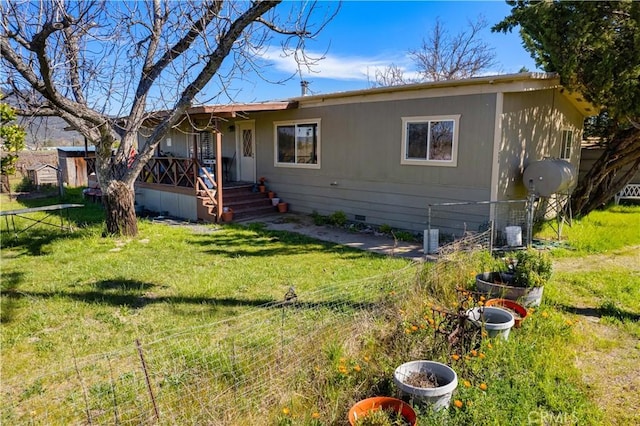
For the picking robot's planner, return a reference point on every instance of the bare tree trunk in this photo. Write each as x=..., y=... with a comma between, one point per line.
x=120, y=212
x=602, y=182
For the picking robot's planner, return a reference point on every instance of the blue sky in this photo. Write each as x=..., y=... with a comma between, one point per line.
x=366, y=34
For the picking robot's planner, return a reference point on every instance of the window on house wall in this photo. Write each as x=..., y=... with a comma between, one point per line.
x=566, y=144
x=297, y=144
x=430, y=141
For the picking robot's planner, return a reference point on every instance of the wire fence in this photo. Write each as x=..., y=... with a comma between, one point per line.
x=241, y=370
x=236, y=371
x=461, y=223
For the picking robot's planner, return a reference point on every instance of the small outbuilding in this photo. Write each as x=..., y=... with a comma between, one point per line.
x=43, y=174
x=76, y=163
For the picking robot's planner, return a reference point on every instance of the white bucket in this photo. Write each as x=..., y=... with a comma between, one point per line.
x=275, y=201
x=430, y=241
x=514, y=236
x=496, y=321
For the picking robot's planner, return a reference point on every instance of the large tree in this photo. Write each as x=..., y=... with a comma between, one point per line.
x=443, y=56
x=102, y=66
x=594, y=48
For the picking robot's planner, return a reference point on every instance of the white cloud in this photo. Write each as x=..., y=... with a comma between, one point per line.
x=337, y=67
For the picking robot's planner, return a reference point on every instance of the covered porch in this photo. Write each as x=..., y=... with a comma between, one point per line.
x=205, y=165
x=187, y=188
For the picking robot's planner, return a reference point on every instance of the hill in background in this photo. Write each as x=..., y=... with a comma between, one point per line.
x=43, y=132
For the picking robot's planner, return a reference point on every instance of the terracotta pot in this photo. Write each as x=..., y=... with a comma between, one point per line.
x=520, y=310
x=227, y=216
x=361, y=408
x=271, y=194
x=282, y=207
x=262, y=188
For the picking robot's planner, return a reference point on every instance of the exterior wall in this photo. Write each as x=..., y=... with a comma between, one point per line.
x=174, y=203
x=360, y=157
x=74, y=171
x=73, y=165
x=177, y=144
x=532, y=124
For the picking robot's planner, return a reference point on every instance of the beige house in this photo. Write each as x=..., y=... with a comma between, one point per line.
x=380, y=155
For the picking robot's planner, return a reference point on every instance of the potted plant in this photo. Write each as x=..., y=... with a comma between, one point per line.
x=282, y=207
x=523, y=280
x=382, y=410
x=271, y=195
x=428, y=382
x=262, y=186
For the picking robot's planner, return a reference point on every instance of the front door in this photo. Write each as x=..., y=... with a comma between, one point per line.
x=246, y=140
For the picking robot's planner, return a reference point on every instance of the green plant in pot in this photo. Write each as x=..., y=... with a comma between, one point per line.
x=524, y=279
x=532, y=269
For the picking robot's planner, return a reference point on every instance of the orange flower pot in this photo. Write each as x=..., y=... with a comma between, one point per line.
x=361, y=408
x=282, y=207
x=512, y=306
x=227, y=216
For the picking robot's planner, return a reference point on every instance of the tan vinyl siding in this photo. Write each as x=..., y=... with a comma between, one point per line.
x=531, y=130
x=361, y=172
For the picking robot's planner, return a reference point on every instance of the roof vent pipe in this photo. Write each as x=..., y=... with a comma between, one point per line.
x=304, y=87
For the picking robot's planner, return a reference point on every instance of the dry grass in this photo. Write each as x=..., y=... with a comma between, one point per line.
x=607, y=346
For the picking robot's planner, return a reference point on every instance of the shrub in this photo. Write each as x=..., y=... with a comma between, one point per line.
x=532, y=268
x=318, y=219
x=404, y=236
x=385, y=229
x=338, y=218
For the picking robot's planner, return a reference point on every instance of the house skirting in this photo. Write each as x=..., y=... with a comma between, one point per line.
x=173, y=201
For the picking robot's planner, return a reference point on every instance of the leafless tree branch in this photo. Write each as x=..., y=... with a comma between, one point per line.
x=102, y=66
x=443, y=56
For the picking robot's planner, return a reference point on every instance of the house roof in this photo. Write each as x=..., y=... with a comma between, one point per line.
x=40, y=166
x=233, y=109
x=76, y=148
x=206, y=112
x=520, y=82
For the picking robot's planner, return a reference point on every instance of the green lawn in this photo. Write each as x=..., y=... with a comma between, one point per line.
x=201, y=304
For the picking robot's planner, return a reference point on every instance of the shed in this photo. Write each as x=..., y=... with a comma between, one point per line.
x=76, y=163
x=43, y=174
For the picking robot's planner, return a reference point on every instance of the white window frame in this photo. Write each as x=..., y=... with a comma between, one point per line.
x=566, y=144
x=453, y=162
x=277, y=124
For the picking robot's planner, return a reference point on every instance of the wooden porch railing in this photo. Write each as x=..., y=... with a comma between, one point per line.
x=172, y=171
x=184, y=173
x=91, y=165
x=203, y=183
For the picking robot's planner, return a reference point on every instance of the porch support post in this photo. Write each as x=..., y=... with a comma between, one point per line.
x=219, y=175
